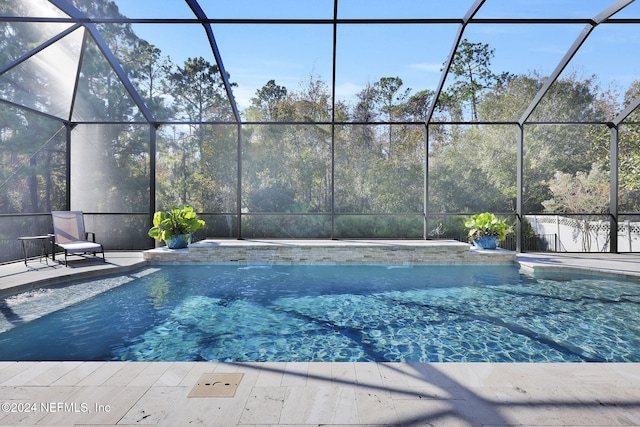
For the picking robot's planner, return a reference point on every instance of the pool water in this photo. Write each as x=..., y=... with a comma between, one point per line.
x=328, y=313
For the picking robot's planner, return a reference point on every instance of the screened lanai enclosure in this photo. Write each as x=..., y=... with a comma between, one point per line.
x=325, y=119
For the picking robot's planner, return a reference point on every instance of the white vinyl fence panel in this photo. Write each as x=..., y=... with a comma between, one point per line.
x=583, y=235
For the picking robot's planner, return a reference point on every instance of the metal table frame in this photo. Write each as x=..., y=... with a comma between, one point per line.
x=26, y=240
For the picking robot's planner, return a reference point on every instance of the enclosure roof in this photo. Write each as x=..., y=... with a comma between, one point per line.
x=54, y=50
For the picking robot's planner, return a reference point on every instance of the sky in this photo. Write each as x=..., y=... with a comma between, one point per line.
x=291, y=54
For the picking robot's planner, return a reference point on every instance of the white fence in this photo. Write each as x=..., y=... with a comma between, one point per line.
x=582, y=235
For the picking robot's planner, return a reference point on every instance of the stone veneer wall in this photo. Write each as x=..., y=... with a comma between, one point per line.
x=328, y=252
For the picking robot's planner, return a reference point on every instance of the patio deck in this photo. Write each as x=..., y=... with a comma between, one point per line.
x=314, y=394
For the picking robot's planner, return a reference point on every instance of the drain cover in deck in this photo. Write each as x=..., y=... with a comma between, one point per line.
x=216, y=385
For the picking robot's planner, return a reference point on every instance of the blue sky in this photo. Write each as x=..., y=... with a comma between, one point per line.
x=290, y=54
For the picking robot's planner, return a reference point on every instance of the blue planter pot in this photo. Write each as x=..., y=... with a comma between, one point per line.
x=487, y=242
x=180, y=241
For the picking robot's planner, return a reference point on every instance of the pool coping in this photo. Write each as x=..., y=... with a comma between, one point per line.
x=16, y=277
x=625, y=266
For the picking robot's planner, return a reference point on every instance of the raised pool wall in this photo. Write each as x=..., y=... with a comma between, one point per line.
x=215, y=251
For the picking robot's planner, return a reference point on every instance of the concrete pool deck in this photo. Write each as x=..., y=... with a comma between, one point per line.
x=314, y=394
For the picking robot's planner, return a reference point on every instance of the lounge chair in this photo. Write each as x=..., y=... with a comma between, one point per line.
x=70, y=235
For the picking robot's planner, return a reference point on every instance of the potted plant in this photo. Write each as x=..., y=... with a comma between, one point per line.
x=486, y=230
x=175, y=226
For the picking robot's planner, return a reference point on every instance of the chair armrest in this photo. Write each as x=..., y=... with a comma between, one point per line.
x=93, y=236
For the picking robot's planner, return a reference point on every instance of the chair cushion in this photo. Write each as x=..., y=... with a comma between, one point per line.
x=81, y=246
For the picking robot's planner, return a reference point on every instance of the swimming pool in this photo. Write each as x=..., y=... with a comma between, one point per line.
x=327, y=313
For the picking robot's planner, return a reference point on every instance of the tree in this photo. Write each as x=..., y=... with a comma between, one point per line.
x=198, y=91
x=99, y=95
x=473, y=76
x=507, y=102
x=629, y=169
x=288, y=164
x=579, y=193
x=548, y=147
x=585, y=193
x=417, y=106
x=148, y=70
x=388, y=94
x=312, y=103
x=365, y=109
x=199, y=156
x=267, y=101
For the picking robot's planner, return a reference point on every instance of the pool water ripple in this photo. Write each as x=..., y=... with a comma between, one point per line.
x=335, y=313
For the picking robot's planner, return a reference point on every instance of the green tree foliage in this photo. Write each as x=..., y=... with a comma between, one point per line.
x=148, y=70
x=197, y=88
x=579, y=193
x=198, y=160
x=388, y=93
x=294, y=158
x=417, y=106
x=629, y=159
x=547, y=147
x=32, y=177
x=32, y=162
x=267, y=105
x=117, y=156
x=471, y=69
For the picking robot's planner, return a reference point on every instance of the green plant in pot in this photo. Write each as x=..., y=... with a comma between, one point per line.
x=486, y=230
x=175, y=226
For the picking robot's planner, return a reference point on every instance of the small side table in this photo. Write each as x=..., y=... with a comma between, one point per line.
x=46, y=238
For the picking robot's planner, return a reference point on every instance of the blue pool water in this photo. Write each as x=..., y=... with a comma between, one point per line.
x=327, y=313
